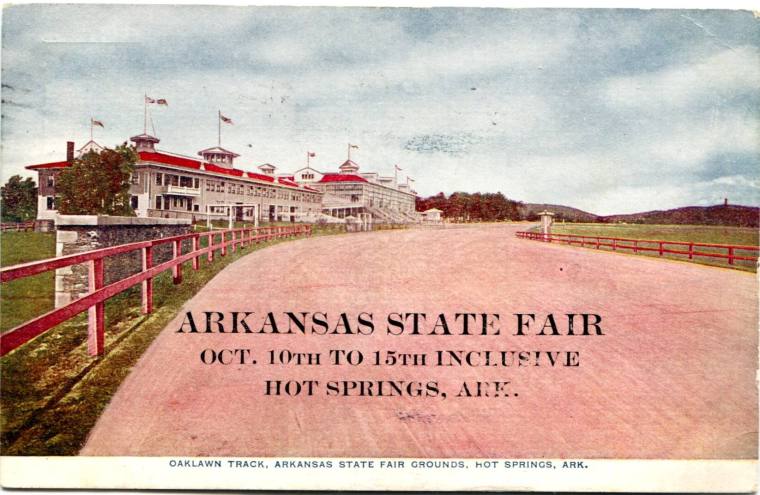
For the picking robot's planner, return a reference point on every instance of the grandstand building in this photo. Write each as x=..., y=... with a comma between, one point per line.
x=350, y=193
x=174, y=186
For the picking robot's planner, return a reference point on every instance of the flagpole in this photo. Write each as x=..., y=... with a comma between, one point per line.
x=349, y=151
x=307, y=159
x=145, y=113
x=90, y=128
x=219, y=124
x=395, y=174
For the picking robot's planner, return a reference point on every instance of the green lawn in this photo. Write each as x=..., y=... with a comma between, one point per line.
x=26, y=298
x=52, y=390
x=708, y=234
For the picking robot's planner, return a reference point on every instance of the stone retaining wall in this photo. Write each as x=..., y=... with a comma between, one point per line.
x=80, y=233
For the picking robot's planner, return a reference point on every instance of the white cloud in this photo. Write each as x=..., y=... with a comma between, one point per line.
x=720, y=75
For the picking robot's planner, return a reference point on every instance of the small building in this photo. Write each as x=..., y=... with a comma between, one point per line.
x=432, y=215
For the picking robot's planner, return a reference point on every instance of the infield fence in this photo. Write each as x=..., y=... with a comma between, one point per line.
x=730, y=254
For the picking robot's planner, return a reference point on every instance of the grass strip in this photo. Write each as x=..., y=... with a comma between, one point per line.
x=53, y=392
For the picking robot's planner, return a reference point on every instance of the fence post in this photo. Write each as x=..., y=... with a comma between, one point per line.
x=730, y=255
x=660, y=248
x=635, y=246
x=96, y=313
x=147, y=284
x=691, y=250
x=196, y=247
x=233, y=240
x=614, y=244
x=211, y=247
x=177, y=269
x=597, y=243
x=224, y=243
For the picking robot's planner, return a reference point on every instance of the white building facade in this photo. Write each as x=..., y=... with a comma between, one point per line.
x=174, y=186
x=349, y=193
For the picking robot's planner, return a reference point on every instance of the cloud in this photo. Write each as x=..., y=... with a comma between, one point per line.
x=610, y=111
x=718, y=76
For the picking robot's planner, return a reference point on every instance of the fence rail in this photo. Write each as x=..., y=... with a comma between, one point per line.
x=94, y=301
x=692, y=250
x=17, y=227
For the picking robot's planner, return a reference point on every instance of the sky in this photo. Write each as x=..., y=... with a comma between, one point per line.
x=609, y=111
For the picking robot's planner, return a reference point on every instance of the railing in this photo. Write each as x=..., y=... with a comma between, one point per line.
x=729, y=252
x=17, y=227
x=181, y=190
x=94, y=301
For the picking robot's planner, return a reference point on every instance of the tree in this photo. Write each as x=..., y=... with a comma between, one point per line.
x=469, y=207
x=18, y=200
x=98, y=183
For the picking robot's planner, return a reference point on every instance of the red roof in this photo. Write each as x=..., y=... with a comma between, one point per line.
x=179, y=161
x=287, y=182
x=48, y=165
x=210, y=167
x=150, y=156
x=342, y=178
x=254, y=175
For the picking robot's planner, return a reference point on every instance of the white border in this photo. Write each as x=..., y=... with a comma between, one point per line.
x=719, y=476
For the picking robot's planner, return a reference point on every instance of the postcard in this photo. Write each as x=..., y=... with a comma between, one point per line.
x=331, y=248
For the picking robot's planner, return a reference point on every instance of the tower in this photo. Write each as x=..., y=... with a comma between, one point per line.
x=219, y=156
x=267, y=169
x=145, y=142
x=348, y=167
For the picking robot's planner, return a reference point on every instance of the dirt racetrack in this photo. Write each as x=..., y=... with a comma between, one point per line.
x=673, y=376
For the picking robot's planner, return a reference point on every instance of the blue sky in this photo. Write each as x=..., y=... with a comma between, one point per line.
x=610, y=111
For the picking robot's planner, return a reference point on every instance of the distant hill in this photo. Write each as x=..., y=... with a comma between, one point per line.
x=734, y=215
x=529, y=211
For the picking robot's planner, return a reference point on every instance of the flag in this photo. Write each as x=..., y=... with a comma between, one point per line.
x=398, y=168
x=224, y=119
x=97, y=122
x=161, y=101
x=312, y=154
x=354, y=146
x=148, y=99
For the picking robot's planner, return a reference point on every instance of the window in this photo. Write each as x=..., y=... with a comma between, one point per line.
x=133, y=202
x=135, y=179
x=51, y=181
x=197, y=183
x=50, y=203
x=158, y=202
x=196, y=208
x=159, y=180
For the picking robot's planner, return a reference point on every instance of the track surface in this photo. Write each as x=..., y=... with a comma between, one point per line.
x=674, y=376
